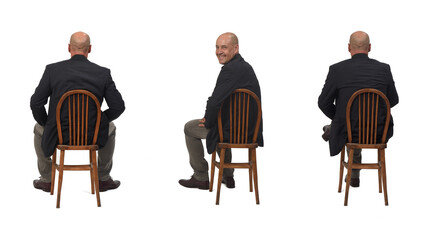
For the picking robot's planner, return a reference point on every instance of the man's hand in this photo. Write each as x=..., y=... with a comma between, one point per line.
x=202, y=122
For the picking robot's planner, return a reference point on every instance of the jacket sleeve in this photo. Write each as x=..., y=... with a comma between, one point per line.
x=116, y=105
x=392, y=94
x=226, y=83
x=40, y=98
x=328, y=95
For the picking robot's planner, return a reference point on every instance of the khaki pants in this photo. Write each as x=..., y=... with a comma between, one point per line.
x=194, y=135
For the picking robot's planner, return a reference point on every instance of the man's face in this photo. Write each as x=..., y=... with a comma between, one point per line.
x=225, y=49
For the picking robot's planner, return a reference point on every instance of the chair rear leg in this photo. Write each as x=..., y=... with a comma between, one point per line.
x=379, y=171
x=53, y=172
x=341, y=165
x=250, y=170
x=385, y=191
x=220, y=176
x=95, y=173
x=256, y=184
x=212, y=170
x=92, y=175
x=60, y=176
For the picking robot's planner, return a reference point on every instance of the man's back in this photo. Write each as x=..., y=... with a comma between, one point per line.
x=343, y=80
x=75, y=73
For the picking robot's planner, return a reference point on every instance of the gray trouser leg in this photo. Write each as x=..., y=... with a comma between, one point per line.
x=357, y=159
x=194, y=135
x=44, y=164
x=105, y=155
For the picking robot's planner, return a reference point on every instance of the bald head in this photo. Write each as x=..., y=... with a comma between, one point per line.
x=233, y=38
x=80, y=43
x=359, y=42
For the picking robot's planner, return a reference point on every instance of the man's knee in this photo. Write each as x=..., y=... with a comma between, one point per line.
x=190, y=125
x=111, y=129
x=38, y=129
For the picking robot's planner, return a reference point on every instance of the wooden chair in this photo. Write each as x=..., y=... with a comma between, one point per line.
x=367, y=102
x=77, y=108
x=239, y=108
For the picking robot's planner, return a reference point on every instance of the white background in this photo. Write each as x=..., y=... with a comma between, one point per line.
x=161, y=54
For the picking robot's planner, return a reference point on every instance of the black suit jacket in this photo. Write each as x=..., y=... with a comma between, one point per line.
x=345, y=78
x=235, y=74
x=75, y=73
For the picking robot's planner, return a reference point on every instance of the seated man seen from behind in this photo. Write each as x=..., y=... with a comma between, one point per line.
x=76, y=73
x=345, y=78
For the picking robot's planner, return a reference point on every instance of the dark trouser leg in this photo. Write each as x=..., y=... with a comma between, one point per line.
x=194, y=135
x=44, y=164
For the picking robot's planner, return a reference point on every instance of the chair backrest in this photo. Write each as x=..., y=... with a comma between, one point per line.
x=368, y=106
x=77, y=108
x=239, y=116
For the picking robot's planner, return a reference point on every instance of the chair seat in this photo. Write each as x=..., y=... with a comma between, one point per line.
x=234, y=145
x=68, y=147
x=361, y=146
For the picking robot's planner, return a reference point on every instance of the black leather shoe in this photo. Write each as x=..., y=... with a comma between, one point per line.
x=108, y=185
x=229, y=181
x=355, y=182
x=193, y=183
x=44, y=186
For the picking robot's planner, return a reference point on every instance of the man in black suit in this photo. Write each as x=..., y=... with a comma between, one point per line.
x=236, y=73
x=58, y=78
x=345, y=78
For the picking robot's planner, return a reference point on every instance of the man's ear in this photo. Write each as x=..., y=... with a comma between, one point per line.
x=89, y=49
x=69, y=48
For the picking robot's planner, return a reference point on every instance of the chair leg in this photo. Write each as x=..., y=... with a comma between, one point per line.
x=220, y=175
x=256, y=185
x=379, y=171
x=53, y=171
x=250, y=170
x=60, y=176
x=382, y=160
x=95, y=173
x=92, y=175
x=348, y=176
x=341, y=165
x=212, y=170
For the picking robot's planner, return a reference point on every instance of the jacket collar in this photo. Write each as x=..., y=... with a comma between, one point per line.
x=79, y=58
x=237, y=57
x=360, y=56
